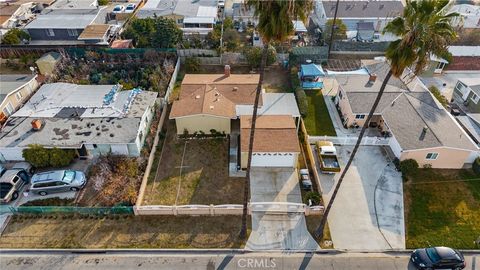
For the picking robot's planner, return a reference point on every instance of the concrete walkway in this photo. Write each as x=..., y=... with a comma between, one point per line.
x=368, y=213
x=277, y=231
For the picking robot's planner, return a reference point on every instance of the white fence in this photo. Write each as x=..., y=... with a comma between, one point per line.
x=227, y=209
x=350, y=140
x=173, y=79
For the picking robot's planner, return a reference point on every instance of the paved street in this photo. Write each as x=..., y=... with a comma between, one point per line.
x=212, y=261
x=277, y=231
x=371, y=197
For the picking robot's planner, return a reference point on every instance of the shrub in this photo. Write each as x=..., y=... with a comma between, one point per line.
x=294, y=77
x=436, y=93
x=254, y=56
x=313, y=196
x=61, y=157
x=103, y=2
x=408, y=167
x=302, y=101
x=192, y=64
x=15, y=36
x=36, y=155
x=476, y=166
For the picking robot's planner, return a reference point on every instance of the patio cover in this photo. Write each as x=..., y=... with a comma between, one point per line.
x=312, y=70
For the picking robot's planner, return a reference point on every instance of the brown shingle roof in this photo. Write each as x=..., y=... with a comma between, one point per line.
x=94, y=31
x=273, y=133
x=221, y=79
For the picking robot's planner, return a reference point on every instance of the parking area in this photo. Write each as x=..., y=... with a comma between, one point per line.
x=368, y=212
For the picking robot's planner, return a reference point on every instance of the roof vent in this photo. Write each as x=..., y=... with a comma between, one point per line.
x=197, y=96
x=425, y=129
x=372, y=78
x=37, y=124
x=235, y=89
x=211, y=107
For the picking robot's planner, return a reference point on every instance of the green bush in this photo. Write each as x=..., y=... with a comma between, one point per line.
x=314, y=196
x=192, y=64
x=254, y=56
x=61, y=157
x=103, y=2
x=36, y=155
x=476, y=166
x=41, y=157
x=436, y=93
x=302, y=101
x=408, y=167
x=15, y=36
x=295, y=81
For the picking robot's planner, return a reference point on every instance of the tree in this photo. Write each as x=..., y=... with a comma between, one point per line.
x=61, y=157
x=154, y=32
x=15, y=36
x=231, y=39
x=340, y=30
x=254, y=56
x=425, y=28
x=36, y=155
x=274, y=24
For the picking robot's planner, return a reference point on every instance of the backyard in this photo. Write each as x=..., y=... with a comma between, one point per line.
x=57, y=231
x=318, y=121
x=442, y=209
x=192, y=172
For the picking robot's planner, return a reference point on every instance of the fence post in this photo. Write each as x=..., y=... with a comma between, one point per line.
x=175, y=210
x=212, y=210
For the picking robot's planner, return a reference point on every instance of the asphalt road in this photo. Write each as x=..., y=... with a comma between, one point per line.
x=211, y=260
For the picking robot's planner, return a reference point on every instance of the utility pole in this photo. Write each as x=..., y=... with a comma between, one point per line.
x=333, y=28
x=221, y=35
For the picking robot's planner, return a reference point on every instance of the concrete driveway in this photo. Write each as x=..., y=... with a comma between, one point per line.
x=277, y=231
x=368, y=213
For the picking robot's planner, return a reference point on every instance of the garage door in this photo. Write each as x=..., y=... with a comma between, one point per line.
x=119, y=149
x=11, y=154
x=274, y=159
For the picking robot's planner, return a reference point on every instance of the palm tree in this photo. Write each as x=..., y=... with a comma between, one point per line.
x=425, y=29
x=274, y=24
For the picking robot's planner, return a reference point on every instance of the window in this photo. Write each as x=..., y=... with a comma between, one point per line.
x=50, y=32
x=431, y=156
x=474, y=98
x=360, y=116
x=8, y=110
x=72, y=32
x=44, y=184
x=340, y=95
x=440, y=65
x=18, y=95
x=15, y=179
x=179, y=21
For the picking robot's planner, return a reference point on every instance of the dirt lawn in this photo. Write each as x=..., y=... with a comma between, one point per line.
x=201, y=178
x=276, y=80
x=122, y=232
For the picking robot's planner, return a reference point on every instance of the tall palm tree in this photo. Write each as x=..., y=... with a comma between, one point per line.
x=424, y=29
x=274, y=24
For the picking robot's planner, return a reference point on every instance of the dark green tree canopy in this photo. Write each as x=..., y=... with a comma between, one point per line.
x=154, y=32
x=15, y=36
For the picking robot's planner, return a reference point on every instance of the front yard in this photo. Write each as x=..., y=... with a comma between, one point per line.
x=57, y=231
x=442, y=208
x=193, y=172
x=318, y=121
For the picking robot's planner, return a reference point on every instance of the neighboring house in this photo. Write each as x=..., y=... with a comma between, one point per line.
x=92, y=119
x=353, y=12
x=65, y=21
x=224, y=103
x=465, y=58
x=417, y=126
x=193, y=17
x=14, y=91
x=470, y=15
x=467, y=90
x=15, y=14
x=243, y=14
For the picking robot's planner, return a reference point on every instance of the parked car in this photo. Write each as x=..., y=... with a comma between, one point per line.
x=24, y=166
x=57, y=181
x=438, y=258
x=130, y=8
x=119, y=9
x=327, y=154
x=11, y=183
x=305, y=178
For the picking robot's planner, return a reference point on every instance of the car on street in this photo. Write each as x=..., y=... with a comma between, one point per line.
x=57, y=181
x=305, y=178
x=130, y=8
x=437, y=258
x=11, y=183
x=119, y=9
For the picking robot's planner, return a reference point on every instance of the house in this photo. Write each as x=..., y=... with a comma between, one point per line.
x=223, y=103
x=416, y=125
x=470, y=16
x=193, y=17
x=15, y=14
x=15, y=89
x=365, y=31
x=244, y=15
x=92, y=119
x=467, y=91
x=353, y=12
x=465, y=58
x=65, y=21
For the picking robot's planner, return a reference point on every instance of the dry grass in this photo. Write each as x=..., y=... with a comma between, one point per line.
x=123, y=232
x=312, y=224
x=203, y=177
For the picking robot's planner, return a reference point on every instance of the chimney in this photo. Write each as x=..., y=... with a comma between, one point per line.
x=373, y=78
x=37, y=124
x=227, y=71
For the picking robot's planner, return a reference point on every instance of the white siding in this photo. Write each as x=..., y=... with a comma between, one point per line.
x=119, y=149
x=274, y=159
x=395, y=146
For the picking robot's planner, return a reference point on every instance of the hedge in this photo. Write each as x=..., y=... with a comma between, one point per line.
x=302, y=101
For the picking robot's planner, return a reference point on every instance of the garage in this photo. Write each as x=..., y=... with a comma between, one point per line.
x=274, y=159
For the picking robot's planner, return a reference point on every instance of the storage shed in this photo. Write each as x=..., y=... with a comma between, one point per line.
x=48, y=62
